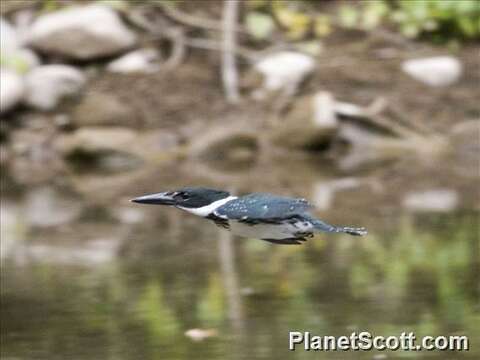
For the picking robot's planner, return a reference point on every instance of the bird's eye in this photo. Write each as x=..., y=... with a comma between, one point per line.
x=181, y=196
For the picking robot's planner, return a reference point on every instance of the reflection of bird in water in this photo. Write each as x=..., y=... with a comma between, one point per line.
x=280, y=220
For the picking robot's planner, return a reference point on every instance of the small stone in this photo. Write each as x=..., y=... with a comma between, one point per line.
x=46, y=85
x=200, y=334
x=434, y=71
x=81, y=33
x=139, y=61
x=284, y=70
x=11, y=89
x=436, y=200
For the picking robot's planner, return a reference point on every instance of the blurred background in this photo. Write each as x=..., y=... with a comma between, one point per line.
x=369, y=109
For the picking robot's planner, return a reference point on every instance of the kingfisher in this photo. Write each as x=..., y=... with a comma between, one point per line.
x=276, y=219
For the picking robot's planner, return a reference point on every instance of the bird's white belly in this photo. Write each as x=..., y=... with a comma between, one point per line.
x=269, y=231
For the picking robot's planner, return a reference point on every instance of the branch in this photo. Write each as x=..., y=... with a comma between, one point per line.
x=190, y=20
x=229, y=69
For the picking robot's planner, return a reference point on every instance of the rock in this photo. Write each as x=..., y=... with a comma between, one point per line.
x=139, y=61
x=97, y=139
x=81, y=33
x=103, y=109
x=115, y=148
x=200, y=334
x=46, y=85
x=12, y=89
x=225, y=146
x=434, y=71
x=284, y=70
x=9, y=41
x=108, y=148
x=13, y=55
x=309, y=125
x=436, y=200
x=46, y=207
x=22, y=60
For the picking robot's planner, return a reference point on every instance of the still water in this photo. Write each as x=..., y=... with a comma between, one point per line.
x=128, y=282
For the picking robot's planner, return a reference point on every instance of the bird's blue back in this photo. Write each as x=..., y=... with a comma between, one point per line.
x=263, y=206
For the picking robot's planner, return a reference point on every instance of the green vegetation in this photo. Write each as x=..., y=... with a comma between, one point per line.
x=437, y=20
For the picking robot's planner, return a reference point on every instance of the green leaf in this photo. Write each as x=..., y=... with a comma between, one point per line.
x=259, y=25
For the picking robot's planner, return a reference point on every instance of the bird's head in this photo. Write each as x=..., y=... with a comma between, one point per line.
x=187, y=198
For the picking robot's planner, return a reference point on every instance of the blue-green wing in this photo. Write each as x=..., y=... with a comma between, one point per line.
x=260, y=206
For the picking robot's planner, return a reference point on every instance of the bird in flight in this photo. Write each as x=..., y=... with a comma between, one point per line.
x=276, y=219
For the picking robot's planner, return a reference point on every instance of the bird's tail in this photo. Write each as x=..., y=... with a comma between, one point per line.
x=324, y=227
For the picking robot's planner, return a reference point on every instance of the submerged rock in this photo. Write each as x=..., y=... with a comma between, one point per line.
x=46, y=85
x=12, y=89
x=434, y=71
x=436, y=200
x=309, y=125
x=81, y=33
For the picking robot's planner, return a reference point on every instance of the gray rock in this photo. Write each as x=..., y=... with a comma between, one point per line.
x=284, y=71
x=102, y=109
x=434, y=71
x=435, y=200
x=46, y=85
x=310, y=124
x=12, y=89
x=138, y=61
x=81, y=32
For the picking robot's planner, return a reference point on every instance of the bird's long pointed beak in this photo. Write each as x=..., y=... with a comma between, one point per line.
x=163, y=198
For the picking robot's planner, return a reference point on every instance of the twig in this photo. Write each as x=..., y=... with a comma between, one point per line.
x=229, y=69
x=209, y=44
x=177, y=37
x=190, y=20
x=160, y=30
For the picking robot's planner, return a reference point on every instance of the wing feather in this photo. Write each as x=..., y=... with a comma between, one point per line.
x=260, y=206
